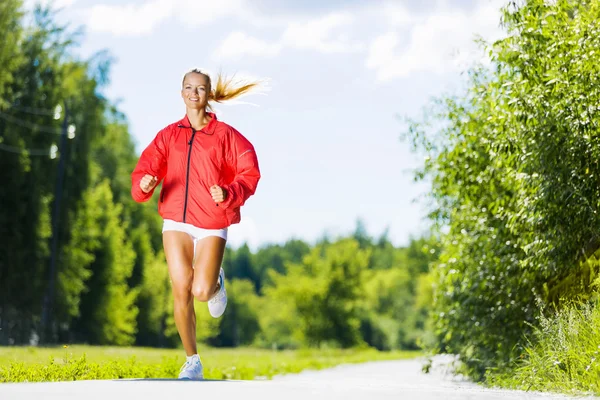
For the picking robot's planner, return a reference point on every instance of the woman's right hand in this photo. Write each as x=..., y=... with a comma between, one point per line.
x=148, y=183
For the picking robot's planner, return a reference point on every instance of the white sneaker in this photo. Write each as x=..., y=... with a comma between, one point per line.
x=218, y=304
x=192, y=369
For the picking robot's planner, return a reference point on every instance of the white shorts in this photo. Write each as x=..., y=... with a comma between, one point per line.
x=196, y=233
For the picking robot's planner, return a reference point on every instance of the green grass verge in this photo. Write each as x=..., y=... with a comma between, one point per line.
x=564, y=357
x=32, y=364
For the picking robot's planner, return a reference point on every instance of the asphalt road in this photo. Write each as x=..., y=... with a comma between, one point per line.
x=377, y=380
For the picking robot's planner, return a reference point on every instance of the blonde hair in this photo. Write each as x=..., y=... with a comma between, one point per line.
x=225, y=88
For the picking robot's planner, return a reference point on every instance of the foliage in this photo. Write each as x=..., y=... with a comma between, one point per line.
x=322, y=294
x=109, y=363
x=564, y=356
x=513, y=165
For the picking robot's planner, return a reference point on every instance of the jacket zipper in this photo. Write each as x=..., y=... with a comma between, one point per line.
x=187, y=173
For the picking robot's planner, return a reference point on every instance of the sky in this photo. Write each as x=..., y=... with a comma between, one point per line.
x=326, y=126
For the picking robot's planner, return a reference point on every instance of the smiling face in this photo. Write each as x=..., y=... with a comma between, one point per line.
x=195, y=90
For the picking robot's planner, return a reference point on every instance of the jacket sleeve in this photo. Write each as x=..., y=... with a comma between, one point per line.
x=242, y=159
x=153, y=161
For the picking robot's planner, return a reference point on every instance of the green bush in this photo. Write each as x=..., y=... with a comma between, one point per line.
x=515, y=176
x=565, y=354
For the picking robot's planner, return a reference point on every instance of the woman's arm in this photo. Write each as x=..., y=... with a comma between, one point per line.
x=153, y=162
x=242, y=159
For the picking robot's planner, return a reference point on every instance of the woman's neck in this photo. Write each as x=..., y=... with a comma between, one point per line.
x=198, y=118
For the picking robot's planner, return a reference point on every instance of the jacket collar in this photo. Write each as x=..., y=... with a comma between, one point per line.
x=209, y=129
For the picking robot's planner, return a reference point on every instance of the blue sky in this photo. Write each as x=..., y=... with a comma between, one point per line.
x=326, y=127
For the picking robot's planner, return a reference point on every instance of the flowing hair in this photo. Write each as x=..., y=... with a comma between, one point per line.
x=225, y=88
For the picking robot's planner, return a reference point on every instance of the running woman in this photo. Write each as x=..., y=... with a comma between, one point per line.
x=208, y=170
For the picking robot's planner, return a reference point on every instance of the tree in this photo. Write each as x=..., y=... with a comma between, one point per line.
x=321, y=295
x=275, y=258
x=108, y=311
x=155, y=303
x=31, y=81
x=515, y=180
x=242, y=265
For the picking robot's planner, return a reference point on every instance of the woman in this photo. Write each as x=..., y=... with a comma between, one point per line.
x=209, y=171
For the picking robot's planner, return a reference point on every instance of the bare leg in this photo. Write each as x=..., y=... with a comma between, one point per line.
x=179, y=251
x=209, y=256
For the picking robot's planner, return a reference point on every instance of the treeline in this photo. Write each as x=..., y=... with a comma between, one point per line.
x=353, y=291
x=100, y=239
x=515, y=173
x=81, y=262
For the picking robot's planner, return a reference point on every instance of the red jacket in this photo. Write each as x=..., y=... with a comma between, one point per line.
x=190, y=162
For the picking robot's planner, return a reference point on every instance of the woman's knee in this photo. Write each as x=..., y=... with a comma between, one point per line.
x=182, y=291
x=203, y=291
x=179, y=252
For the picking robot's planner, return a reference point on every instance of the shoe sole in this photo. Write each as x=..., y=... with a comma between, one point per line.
x=190, y=379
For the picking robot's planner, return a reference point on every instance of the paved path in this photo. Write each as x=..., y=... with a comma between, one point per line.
x=372, y=381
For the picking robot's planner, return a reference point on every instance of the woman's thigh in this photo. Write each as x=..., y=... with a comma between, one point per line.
x=179, y=252
x=209, y=256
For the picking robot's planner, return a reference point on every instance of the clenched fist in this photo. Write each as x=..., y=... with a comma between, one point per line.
x=218, y=194
x=148, y=183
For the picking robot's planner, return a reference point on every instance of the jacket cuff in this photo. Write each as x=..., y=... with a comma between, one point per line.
x=229, y=197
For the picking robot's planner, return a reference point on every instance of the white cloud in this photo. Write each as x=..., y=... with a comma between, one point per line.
x=320, y=34
x=381, y=51
x=324, y=34
x=56, y=4
x=63, y=3
x=397, y=14
x=327, y=34
x=195, y=12
x=129, y=19
x=240, y=44
x=141, y=19
x=438, y=42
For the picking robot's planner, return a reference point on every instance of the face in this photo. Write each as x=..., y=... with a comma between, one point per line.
x=195, y=90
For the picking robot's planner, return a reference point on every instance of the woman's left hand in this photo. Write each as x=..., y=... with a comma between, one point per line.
x=218, y=194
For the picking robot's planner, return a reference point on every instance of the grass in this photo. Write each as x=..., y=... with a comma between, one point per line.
x=565, y=357
x=33, y=364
